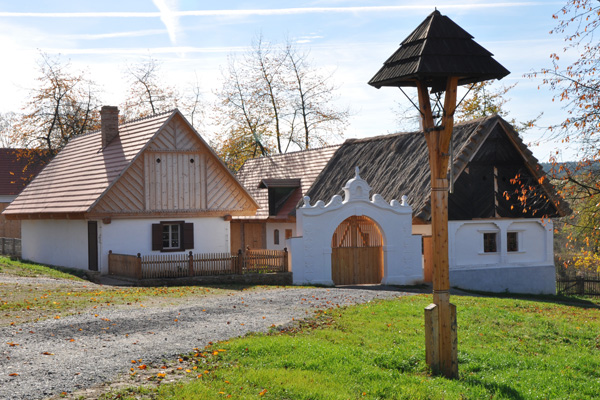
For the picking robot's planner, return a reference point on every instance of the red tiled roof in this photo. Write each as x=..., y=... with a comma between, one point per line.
x=303, y=165
x=82, y=171
x=17, y=169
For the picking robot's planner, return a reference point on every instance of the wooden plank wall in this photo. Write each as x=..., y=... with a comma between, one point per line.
x=127, y=194
x=174, y=181
x=9, y=228
x=357, y=265
x=223, y=192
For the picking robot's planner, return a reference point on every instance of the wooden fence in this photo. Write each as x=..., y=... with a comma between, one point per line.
x=577, y=281
x=125, y=265
x=189, y=265
x=10, y=247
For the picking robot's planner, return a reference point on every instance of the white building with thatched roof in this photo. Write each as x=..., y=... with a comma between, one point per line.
x=500, y=237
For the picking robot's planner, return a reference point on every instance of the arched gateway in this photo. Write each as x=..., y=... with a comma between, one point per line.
x=356, y=240
x=357, y=252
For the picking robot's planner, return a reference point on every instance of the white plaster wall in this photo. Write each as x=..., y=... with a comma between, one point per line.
x=466, y=242
x=282, y=226
x=529, y=270
x=211, y=235
x=55, y=242
x=311, y=251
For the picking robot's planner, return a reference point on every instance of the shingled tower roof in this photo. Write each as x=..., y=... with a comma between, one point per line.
x=438, y=48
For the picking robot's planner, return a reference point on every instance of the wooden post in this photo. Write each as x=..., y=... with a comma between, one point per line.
x=190, y=264
x=109, y=262
x=286, y=266
x=240, y=263
x=441, y=354
x=138, y=267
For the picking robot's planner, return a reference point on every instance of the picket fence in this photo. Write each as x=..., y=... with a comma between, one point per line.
x=157, y=266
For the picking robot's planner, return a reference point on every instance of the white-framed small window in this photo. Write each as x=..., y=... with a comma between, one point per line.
x=490, y=242
x=171, y=236
x=512, y=241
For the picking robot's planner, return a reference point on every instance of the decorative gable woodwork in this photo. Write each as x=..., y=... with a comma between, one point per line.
x=176, y=135
x=127, y=194
x=176, y=173
x=223, y=192
x=175, y=181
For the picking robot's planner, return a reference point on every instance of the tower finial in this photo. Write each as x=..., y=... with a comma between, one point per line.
x=356, y=172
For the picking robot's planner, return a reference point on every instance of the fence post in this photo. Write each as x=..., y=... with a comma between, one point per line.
x=580, y=284
x=138, y=266
x=240, y=263
x=190, y=264
x=109, y=262
x=286, y=266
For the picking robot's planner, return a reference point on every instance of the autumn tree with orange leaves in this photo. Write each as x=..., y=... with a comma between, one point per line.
x=63, y=106
x=577, y=87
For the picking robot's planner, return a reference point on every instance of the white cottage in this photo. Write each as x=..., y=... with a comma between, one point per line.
x=500, y=237
x=147, y=186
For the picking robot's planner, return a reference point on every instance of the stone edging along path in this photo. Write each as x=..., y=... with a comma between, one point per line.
x=87, y=349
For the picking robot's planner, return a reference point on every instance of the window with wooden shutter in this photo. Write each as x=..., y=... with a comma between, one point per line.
x=157, y=236
x=172, y=236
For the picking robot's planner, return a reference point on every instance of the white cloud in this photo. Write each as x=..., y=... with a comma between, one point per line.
x=169, y=17
x=114, y=35
x=167, y=12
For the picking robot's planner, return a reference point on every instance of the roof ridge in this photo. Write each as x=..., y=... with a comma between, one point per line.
x=296, y=152
x=160, y=114
x=127, y=122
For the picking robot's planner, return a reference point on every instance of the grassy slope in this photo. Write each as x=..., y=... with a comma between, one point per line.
x=26, y=302
x=508, y=349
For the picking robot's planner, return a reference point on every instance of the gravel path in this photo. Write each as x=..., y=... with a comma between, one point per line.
x=80, y=351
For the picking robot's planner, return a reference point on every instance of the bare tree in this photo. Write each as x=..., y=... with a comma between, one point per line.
x=312, y=98
x=241, y=117
x=274, y=98
x=63, y=106
x=148, y=94
x=193, y=105
x=7, y=124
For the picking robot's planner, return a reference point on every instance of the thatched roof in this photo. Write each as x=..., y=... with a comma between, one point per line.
x=396, y=165
x=436, y=49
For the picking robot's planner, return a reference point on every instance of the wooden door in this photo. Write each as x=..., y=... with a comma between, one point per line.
x=93, y=245
x=255, y=235
x=357, y=252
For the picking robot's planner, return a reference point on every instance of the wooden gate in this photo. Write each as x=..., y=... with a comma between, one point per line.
x=357, y=252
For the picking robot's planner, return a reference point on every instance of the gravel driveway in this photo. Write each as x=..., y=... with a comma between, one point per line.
x=80, y=351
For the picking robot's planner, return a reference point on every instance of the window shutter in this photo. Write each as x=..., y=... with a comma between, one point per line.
x=188, y=236
x=156, y=237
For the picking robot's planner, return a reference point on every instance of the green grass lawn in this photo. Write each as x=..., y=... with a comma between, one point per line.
x=508, y=349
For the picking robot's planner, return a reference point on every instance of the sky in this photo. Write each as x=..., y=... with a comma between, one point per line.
x=349, y=38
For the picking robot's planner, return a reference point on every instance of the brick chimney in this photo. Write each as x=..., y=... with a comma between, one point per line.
x=109, y=117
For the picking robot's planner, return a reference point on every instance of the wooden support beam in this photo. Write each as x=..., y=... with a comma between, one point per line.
x=441, y=351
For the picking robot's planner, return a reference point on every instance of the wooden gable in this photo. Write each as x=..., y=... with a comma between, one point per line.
x=486, y=188
x=177, y=173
